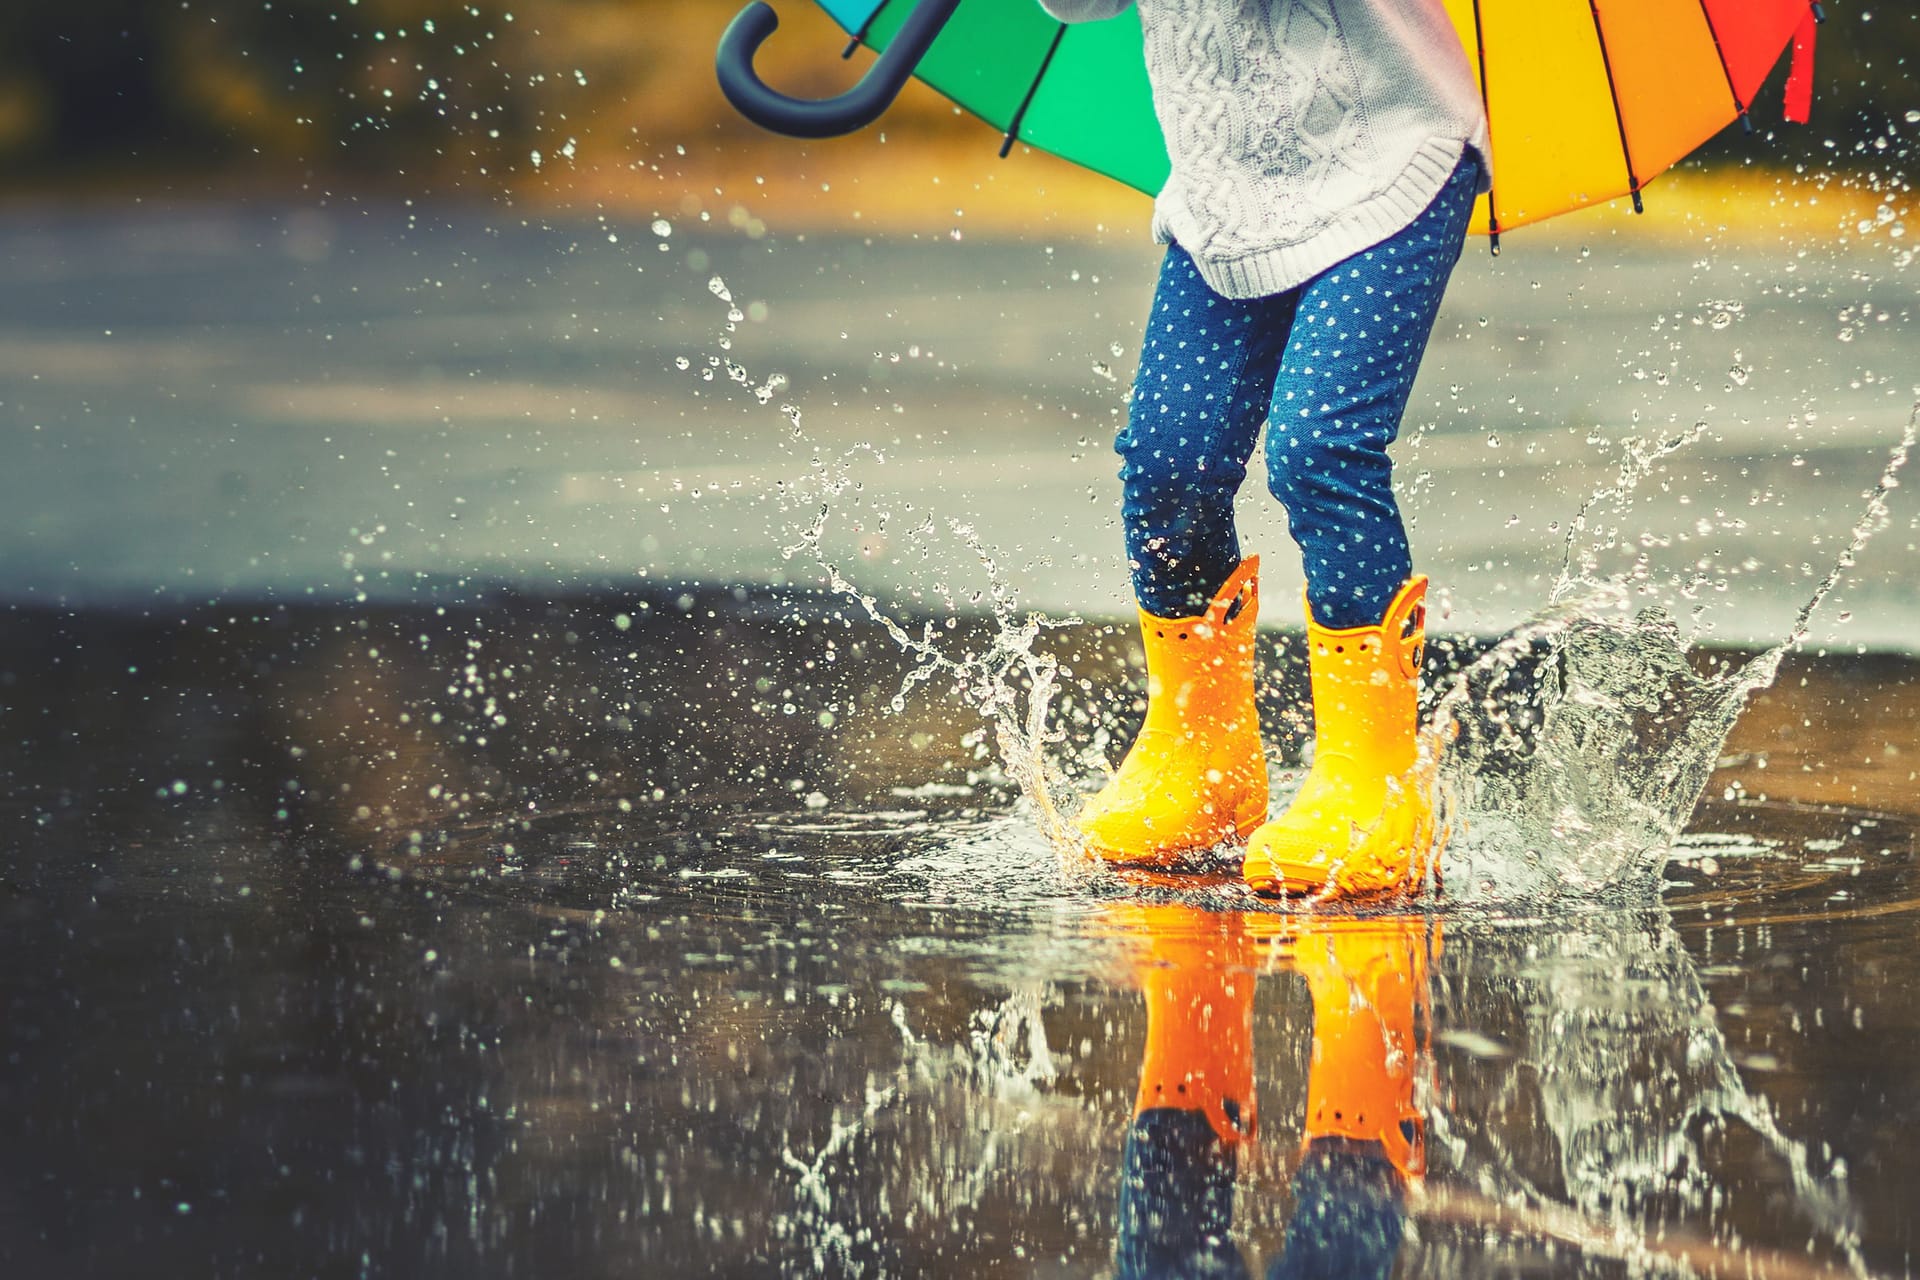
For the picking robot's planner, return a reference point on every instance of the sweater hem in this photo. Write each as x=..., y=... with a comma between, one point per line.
x=1270, y=271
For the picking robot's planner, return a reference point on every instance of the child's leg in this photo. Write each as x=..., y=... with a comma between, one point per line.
x=1362, y=821
x=1203, y=388
x=1356, y=343
x=1195, y=776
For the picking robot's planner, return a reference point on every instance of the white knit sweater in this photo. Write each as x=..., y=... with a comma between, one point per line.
x=1301, y=131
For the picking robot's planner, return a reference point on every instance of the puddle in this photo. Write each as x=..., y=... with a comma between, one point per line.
x=546, y=943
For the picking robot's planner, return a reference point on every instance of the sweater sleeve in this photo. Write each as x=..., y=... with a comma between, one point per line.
x=1085, y=10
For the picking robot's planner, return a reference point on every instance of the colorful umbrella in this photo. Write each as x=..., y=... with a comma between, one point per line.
x=1587, y=99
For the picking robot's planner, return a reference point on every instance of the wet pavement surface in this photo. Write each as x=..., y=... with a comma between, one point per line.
x=346, y=397
x=638, y=935
x=452, y=832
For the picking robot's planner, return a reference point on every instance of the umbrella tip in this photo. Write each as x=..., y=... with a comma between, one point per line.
x=1638, y=205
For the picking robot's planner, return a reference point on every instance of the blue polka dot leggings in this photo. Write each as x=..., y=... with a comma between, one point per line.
x=1328, y=367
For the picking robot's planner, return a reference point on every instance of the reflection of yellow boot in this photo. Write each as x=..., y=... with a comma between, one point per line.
x=1367, y=979
x=1364, y=1140
x=1199, y=990
x=1195, y=777
x=1195, y=1105
x=1362, y=822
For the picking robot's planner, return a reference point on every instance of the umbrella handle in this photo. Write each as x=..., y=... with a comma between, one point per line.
x=856, y=108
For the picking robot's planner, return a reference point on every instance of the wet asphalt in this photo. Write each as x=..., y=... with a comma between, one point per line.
x=343, y=397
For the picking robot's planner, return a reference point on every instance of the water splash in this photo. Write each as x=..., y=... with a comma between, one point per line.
x=1575, y=748
x=1004, y=1062
x=813, y=1221
x=1010, y=683
x=1621, y=1056
x=1007, y=1051
x=1639, y=460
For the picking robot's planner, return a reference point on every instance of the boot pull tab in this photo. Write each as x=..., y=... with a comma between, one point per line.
x=1406, y=623
x=1241, y=590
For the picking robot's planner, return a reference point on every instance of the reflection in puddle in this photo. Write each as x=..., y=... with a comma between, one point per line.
x=1363, y=1136
x=605, y=963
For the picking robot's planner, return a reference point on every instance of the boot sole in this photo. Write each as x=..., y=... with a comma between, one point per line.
x=1413, y=885
x=1163, y=859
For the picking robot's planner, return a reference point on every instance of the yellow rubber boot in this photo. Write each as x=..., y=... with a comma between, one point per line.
x=1367, y=979
x=1195, y=777
x=1362, y=822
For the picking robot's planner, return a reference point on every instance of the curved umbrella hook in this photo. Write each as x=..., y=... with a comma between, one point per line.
x=856, y=108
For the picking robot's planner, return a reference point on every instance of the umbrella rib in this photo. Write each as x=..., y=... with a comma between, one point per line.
x=860, y=36
x=1620, y=121
x=1020, y=112
x=1493, y=209
x=1719, y=51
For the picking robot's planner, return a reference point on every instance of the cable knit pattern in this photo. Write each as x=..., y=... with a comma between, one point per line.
x=1300, y=131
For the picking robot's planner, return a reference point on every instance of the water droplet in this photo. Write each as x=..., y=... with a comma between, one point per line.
x=718, y=288
x=681, y=362
x=661, y=227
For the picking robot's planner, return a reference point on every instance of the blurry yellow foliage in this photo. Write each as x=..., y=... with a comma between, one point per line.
x=590, y=103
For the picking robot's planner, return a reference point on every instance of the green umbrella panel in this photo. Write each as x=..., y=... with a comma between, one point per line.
x=1079, y=91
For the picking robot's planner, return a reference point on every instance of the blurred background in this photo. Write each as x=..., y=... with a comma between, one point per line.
x=416, y=92
x=411, y=298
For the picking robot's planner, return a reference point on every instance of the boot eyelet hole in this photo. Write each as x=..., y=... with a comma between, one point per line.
x=1339, y=648
x=1161, y=634
x=1183, y=635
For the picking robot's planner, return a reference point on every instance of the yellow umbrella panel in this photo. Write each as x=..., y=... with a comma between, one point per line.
x=1589, y=99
